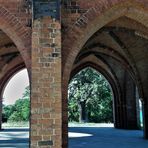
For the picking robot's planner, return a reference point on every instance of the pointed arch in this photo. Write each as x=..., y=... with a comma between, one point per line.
x=103, y=13
x=97, y=16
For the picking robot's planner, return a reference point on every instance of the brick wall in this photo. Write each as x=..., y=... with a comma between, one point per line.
x=19, y=8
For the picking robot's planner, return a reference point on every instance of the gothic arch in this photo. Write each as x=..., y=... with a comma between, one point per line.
x=7, y=76
x=107, y=12
x=3, y=82
x=90, y=22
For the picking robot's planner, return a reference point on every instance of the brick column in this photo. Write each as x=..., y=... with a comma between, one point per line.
x=145, y=109
x=130, y=103
x=138, y=109
x=126, y=111
x=46, y=97
x=64, y=114
x=145, y=114
x=0, y=114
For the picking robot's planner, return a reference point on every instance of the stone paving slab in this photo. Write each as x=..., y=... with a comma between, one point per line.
x=14, y=138
x=81, y=137
x=105, y=137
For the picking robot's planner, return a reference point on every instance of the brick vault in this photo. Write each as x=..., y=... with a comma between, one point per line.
x=55, y=39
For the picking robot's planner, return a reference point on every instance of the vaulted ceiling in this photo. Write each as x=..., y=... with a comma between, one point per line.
x=9, y=54
x=121, y=42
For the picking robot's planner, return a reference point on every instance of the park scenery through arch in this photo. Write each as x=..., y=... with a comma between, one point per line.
x=90, y=98
x=91, y=107
x=16, y=108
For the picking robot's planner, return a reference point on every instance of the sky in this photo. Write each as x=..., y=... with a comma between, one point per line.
x=15, y=87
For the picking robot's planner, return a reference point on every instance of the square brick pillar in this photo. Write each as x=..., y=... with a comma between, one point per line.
x=46, y=84
x=46, y=110
x=145, y=121
x=130, y=107
x=126, y=109
x=145, y=110
x=1, y=114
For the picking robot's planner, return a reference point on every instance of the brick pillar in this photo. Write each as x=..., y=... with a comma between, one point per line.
x=138, y=108
x=126, y=114
x=46, y=97
x=130, y=103
x=0, y=114
x=145, y=114
x=64, y=114
x=145, y=109
x=117, y=111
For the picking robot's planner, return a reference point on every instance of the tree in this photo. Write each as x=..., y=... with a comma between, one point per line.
x=7, y=111
x=20, y=110
x=26, y=94
x=90, y=97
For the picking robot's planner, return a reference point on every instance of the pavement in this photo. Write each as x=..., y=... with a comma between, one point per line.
x=14, y=138
x=81, y=137
x=105, y=137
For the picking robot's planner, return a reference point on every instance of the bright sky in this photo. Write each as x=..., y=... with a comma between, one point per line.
x=15, y=87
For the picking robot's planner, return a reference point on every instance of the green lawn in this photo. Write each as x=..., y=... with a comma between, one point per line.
x=15, y=124
x=76, y=124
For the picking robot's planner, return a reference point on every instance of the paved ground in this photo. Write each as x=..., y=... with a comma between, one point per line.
x=105, y=137
x=14, y=138
x=81, y=137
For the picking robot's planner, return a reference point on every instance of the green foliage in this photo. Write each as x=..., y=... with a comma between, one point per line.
x=20, y=110
x=91, y=89
x=15, y=116
x=26, y=94
x=7, y=111
x=73, y=114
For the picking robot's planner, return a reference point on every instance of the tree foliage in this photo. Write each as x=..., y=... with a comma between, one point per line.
x=20, y=110
x=90, y=97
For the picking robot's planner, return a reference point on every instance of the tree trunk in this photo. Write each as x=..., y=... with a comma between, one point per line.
x=82, y=110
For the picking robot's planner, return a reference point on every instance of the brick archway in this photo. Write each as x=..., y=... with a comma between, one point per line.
x=18, y=33
x=112, y=80
x=99, y=15
x=86, y=26
x=9, y=74
x=3, y=82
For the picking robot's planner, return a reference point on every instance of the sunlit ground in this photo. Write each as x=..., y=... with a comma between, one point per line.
x=104, y=136
x=78, y=134
x=101, y=136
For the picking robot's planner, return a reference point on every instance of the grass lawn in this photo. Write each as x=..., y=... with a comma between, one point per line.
x=15, y=124
x=76, y=124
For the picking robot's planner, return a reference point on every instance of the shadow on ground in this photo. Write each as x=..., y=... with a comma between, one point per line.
x=81, y=137
x=105, y=137
x=14, y=138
